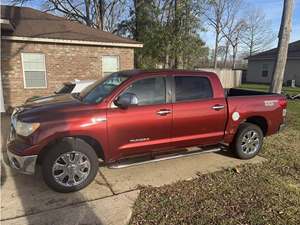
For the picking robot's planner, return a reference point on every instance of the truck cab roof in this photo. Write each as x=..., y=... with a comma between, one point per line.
x=138, y=72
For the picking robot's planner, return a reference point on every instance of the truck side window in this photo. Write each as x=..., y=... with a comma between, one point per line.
x=192, y=88
x=149, y=91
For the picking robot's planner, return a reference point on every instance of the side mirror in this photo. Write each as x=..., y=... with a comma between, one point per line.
x=126, y=100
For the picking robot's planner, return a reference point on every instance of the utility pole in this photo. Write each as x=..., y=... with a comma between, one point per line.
x=282, y=48
x=176, y=31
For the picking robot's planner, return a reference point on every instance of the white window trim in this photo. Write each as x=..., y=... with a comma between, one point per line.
x=24, y=80
x=118, y=57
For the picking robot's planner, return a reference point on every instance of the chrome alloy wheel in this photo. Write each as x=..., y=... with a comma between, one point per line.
x=250, y=142
x=71, y=168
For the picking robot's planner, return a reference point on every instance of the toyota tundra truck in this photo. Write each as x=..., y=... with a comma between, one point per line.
x=138, y=114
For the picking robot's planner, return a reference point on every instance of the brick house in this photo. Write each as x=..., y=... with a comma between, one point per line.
x=40, y=51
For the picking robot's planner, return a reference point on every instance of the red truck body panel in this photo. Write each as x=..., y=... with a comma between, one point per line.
x=136, y=123
x=254, y=106
x=196, y=122
x=140, y=130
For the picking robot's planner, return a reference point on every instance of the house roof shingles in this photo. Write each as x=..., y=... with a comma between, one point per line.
x=31, y=23
x=293, y=52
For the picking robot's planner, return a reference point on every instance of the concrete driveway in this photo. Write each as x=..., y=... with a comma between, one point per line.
x=108, y=200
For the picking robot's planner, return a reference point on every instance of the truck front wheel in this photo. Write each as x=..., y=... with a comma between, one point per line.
x=70, y=165
x=248, y=141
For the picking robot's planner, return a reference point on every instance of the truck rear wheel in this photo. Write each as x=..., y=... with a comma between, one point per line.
x=70, y=165
x=248, y=141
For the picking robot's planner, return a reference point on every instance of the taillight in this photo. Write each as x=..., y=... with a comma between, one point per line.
x=282, y=103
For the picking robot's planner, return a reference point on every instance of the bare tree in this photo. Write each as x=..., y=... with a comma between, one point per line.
x=282, y=49
x=235, y=40
x=219, y=14
x=233, y=36
x=113, y=14
x=100, y=14
x=215, y=15
x=232, y=29
x=226, y=53
x=258, y=34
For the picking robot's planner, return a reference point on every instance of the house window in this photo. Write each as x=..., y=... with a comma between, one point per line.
x=265, y=70
x=110, y=64
x=34, y=70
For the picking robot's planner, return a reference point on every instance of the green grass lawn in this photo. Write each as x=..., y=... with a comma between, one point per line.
x=263, y=87
x=267, y=193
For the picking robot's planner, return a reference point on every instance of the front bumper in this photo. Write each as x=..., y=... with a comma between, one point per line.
x=24, y=164
x=15, y=148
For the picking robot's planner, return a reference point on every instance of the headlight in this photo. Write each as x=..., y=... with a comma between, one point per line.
x=25, y=129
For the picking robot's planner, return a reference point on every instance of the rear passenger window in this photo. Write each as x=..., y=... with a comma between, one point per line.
x=192, y=88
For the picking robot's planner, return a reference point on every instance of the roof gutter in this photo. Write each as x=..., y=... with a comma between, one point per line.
x=73, y=42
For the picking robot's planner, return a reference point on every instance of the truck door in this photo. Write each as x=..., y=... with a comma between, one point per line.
x=140, y=129
x=198, y=117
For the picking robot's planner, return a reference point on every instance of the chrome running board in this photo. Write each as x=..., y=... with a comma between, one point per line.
x=162, y=158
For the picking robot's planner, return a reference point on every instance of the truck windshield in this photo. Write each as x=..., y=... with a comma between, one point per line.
x=102, y=88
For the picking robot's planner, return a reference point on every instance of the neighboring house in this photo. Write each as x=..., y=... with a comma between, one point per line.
x=261, y=66
x=40, y=51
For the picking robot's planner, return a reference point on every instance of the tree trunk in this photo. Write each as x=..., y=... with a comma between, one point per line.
x=99, y=14
x=251, y=48
x=226, y=54
x=282, y=49
x=87, y=13
x=216, y=50
x=166, y=65
x=167, y=57
x=234, y=57
x=138, y=4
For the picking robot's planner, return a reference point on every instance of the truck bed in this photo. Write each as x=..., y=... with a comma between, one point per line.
x=254, y=104
x=234, y=92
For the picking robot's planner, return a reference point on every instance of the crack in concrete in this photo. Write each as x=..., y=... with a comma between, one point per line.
x=106, y=181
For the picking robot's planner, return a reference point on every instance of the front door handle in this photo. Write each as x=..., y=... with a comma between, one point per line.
x=218, y=107
x=164, y=112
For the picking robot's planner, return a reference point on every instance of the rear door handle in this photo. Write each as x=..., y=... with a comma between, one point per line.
x=218, y=107
x=164, y=112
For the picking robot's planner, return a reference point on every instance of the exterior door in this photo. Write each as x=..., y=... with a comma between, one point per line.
x=145, y=127
x=198, y=117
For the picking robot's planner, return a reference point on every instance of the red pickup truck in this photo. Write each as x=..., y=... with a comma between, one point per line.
x=138, y=113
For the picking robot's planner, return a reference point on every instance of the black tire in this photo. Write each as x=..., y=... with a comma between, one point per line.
x=244, y=129
x=66, y=146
